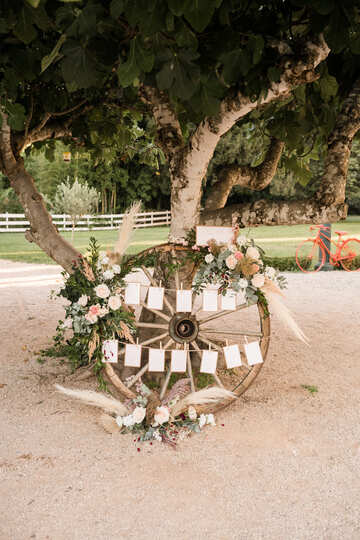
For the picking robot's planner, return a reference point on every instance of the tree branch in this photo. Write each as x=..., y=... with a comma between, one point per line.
x=54, y=130
x=255, y=178
x=169, y=134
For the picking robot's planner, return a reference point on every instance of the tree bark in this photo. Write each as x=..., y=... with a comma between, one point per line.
x=255, y=178
x=42, y=230
x=189, y=164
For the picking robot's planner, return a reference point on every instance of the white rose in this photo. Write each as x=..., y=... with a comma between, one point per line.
x=241, y=240
x=108, y=274
x=128, y=421
x=103, y=311
x=157, y=436
x=162, y=415
x=243, y=283
x=139, y=415
x=102, y=291
x=83, y=300
x=252, y=252
x=103, y=258
x=192, y=414
x=231, y=262
x=91, y=318
x=119, y=421
x=116, y=268
x=210, y=419
x=258, y=280
x=68, y=323
x=270, y=272
x=232, y=248
x=209, y=258
x=114, y=302
x=202, y=420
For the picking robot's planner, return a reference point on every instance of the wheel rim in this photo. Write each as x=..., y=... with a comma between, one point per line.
x=350, y=255
x=310, y=257
x=196, y=332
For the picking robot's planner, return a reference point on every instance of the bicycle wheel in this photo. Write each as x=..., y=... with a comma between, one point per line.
x=350, y=255
x=310, y=257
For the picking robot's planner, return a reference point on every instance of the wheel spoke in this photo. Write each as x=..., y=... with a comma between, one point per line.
x=217, y=379
x=189, y=369
x=165, y=384
x=223, y=313
x=138, y=375
x=177, y=279
x=155, y=311
x=151, y=325
x=248, y=333
x=202, y=338
x=154, y=339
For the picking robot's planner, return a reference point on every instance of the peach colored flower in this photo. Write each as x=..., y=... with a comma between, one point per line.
x=252, y=252
x=238, y=255
x=254, y=268
x=92, y=319
x=258, y=280
x=95, y=309
x=231, y=262
x=102, y=291
x=114, y=302
x=162, y=415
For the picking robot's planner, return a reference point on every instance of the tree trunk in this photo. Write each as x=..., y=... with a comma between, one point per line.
x=42, y=230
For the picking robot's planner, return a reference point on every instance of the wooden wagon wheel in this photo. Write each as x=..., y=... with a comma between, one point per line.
x=195, y=331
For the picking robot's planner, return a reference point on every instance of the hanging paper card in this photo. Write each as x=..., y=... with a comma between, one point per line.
x=178, y=361
x=222, y=235
x=156, y=359
x=132, y=355
x=253, y=353
x=210, y=300
x=155, y=298
x=240, y=298
x=132, y=294
x=184, y=300
x=208, y=361
x=228, y=301
x=232, y=356
x=110, y=351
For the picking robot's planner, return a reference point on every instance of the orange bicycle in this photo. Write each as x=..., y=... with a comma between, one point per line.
x=310, y=254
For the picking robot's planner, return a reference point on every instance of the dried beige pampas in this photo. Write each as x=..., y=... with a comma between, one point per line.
x=109, y=423
x=208, y=396
x=126, y=229
x=95, y=399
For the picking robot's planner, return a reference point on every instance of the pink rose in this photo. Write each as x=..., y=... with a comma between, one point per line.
x=238, y=255
x=91, y=318
x=95, y=309
x=231, y=262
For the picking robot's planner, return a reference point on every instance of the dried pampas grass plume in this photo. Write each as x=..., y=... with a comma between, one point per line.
x=95, y=399
x=126, y=230
x=109, y=423
x=208, y=396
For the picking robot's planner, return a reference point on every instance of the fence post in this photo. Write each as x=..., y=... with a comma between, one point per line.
x=64, y=222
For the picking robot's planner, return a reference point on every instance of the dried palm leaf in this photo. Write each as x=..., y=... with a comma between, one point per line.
x=93, y=343
x=95, y=399
x=180, y=389
x=126, y=230
x=124, y=332
x=87, y=270
x=208, y=396
x=109, y=423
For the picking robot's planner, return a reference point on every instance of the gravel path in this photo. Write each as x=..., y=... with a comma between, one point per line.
x=285, y=464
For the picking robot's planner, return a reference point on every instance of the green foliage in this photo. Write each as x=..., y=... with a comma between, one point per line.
x=75, y=199
x=310, y=388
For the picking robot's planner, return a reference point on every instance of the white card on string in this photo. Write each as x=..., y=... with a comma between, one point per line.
x=156, y=360
x=228, y=300
x=253, y=353
x=132, y=294
x=110, y=351
x=178, y=361
x=208, y=361
x=210, y=300
x=132, y=355
x=241, y=298
x=155, y=299
x=232, y=356
x=184, y=300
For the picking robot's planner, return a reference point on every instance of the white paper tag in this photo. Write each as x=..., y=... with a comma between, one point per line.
x=210, y=300
x=156, y=360
x=155, y=299
x=232, y=356
x=241, y=298
x=222, y=235
x=178, y=361
x=132, y=355
x=110, y=351
x=183, y=300
x=253, y=353
x=228, y=301
x=208, y=361
x=132, y=294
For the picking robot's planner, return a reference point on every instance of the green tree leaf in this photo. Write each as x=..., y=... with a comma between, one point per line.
x=16, y=118
x=78, y=67
x=328, y=87
x=116, y=8
x=49, y=59
x=25, y=30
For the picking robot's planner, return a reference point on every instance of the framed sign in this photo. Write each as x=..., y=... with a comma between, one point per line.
x=222, y=235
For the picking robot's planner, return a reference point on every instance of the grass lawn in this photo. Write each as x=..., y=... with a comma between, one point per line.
x=276, y=241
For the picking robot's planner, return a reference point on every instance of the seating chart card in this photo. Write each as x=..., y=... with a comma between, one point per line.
x=155, y=299
x=228, y=301
x=178, y=361
x=232, y=356
x=132, y=355
x=222, y=235
x=184, y=300
x=132, y=294
x=110, y=351
x=253, y=353
x=156, y=360
x=208, y=361
x=210, y=300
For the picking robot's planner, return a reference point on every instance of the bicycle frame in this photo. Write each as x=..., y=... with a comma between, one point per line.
x=334, y=258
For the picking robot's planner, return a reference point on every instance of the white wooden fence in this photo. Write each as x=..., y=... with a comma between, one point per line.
x=18, y=223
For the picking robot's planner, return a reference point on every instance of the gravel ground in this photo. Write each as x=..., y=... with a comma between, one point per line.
x=284, y=464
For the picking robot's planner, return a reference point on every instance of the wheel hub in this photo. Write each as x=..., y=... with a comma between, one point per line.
x=183, y=328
